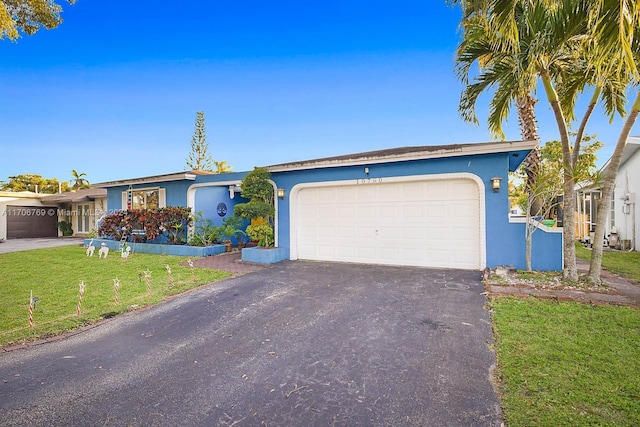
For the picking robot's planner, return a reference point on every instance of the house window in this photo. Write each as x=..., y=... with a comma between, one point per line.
x=613, y=212
x=143, y=198
x=83, y=218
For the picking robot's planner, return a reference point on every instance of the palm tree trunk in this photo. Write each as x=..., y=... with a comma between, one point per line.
x=570, y=271
x=595, y=266
x=529, y=130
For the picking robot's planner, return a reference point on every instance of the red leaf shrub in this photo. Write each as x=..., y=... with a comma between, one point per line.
x=146, y=225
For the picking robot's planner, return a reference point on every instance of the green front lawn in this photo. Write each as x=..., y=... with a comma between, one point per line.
x=558, y=363
x=54, y=276
x=567, y=364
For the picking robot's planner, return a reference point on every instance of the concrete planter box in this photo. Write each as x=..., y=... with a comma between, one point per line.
x=261, y=255
x=158, y=249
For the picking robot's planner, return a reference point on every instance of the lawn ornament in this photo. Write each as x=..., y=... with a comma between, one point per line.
x=171, y=279
x=80, y=295
x=147, y=280
x=104, y=250
x=90, y=249
x=31, y=309
x=116, y=290
x=193, y=274
x=126, y=251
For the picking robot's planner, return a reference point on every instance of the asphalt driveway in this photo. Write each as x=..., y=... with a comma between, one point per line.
x=300, y=343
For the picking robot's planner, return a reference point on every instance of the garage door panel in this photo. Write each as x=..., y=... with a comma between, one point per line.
x=411, y=212
x=365, y=231
x=389, y=232
x=31, y=221
x=366, y=253
x=326, y=233
x=464, y=189
x=437, y=190
x=388, y=193
x=411, y=233
x=422, y=223
x=435, y=210
x=388, y=211
x=345, y=212
x=365, y=193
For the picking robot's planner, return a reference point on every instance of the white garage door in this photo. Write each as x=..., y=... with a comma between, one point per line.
x=432, y=223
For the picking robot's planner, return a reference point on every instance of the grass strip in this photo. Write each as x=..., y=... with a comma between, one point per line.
x=626, y=264
x=54, y=275
x=567, y=363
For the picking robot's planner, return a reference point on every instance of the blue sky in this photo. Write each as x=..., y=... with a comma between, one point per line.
x=113, y=92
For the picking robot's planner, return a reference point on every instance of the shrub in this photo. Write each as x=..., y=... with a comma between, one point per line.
x=259, y=190
x=263, y=233
x=65, y=228
x=170, y=222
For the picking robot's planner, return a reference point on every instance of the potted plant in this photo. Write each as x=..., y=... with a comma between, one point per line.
x=242, y=238
x=227, y=232
x=230, y=228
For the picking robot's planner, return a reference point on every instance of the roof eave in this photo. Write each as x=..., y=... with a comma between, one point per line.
x=446, y=151
x=182, y=176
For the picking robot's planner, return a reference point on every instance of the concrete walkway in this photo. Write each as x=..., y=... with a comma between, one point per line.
x=17, y=245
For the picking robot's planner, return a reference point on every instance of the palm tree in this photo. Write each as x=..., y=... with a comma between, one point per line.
x=79, y=181
x=513, y=66
x=617, y=29
x=222, y=166
x=517, y=43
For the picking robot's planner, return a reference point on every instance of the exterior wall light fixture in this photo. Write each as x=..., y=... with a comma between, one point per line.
x=495, y=184
x=233, y=189
x=280, y=193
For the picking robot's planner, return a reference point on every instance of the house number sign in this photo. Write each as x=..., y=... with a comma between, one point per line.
x=369, y=181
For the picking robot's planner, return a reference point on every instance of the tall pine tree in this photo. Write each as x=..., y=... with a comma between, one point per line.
x=199, y=158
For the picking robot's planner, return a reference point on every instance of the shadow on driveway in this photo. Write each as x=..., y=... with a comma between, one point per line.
x=297, y=344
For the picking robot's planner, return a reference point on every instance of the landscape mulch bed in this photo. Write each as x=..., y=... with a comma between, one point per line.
x=616, y=289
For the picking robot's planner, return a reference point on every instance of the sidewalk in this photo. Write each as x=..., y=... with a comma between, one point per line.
x=620, y=291
x=16, y=245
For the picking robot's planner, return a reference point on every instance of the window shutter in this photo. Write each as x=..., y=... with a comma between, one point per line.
x=162, y=198
x=124, y=200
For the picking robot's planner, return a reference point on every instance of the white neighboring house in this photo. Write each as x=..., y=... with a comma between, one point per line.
x=625, y=213
x=26, y=214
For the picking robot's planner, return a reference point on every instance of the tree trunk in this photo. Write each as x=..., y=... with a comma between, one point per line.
x=529, y=130
x=595, y=266
x=570, y=271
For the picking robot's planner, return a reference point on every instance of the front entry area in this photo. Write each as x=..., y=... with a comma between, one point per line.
x=428, y=221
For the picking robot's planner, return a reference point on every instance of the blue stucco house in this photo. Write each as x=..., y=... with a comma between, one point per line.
x=433, y=206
